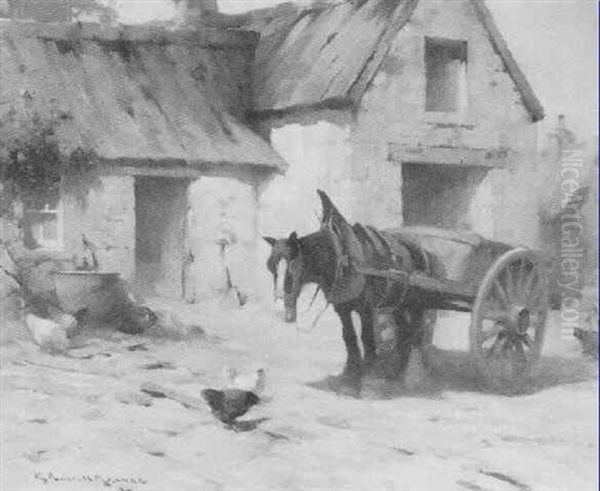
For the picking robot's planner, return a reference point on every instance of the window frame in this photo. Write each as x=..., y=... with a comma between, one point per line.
x=461, y=45
x=58, y=212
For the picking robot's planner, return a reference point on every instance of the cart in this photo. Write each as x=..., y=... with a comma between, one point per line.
x=503, y=287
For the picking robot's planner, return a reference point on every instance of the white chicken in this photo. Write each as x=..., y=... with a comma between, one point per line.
x=50, y=336
x=253, y=382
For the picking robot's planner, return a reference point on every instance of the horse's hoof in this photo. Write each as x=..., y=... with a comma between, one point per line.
x=371, y=368
x=349, y=390
x=349, y=384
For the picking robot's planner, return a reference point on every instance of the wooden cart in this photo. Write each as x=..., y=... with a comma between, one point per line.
x=502, y=286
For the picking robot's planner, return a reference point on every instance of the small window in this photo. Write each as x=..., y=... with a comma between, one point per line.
x=42, y=223
x=446, y=75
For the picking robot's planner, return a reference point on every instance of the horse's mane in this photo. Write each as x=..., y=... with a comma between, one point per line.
x=319, y=256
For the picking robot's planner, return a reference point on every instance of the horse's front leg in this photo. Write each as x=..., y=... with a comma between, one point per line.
x=367, y=335
x=353, y=370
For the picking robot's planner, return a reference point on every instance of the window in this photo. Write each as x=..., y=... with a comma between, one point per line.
x=445, y=73
x=42, y=223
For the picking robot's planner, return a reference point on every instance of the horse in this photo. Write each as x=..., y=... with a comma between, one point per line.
x=315, y=258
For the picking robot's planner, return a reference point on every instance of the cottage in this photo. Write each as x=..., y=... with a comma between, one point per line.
x=162, y=115
x=405, y=112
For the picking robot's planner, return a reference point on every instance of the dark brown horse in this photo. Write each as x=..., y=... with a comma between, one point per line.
x=321, y=258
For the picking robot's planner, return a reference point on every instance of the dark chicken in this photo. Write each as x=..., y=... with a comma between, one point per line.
x=229, y=404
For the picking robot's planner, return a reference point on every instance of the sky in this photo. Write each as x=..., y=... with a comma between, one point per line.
x=554, y=41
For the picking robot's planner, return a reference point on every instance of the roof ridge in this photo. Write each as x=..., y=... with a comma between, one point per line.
x=530, y=100
x=208, y=35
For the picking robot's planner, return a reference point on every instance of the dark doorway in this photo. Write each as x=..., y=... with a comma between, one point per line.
x=160, y=207
x=439, y=195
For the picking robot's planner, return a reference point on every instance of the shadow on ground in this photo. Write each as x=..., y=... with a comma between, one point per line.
x=454, y=371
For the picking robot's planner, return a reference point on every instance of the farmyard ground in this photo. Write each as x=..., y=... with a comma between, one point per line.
x=66, y=424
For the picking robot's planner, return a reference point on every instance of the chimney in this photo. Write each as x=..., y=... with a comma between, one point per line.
x=201, y=5
x=41, y=10
x=190, y=12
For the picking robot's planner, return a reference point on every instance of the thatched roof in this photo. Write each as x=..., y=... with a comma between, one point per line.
x=136, y=96
x=324, y=54
x=328, y=54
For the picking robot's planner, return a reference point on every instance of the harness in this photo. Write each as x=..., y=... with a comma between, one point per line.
x=361, y=249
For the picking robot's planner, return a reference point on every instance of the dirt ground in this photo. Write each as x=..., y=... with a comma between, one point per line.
x=74, y=423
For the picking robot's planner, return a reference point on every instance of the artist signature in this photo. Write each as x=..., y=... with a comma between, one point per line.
x=118, y=483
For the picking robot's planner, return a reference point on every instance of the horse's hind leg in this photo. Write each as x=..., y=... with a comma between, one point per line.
x=353, y=371
x=406, y=338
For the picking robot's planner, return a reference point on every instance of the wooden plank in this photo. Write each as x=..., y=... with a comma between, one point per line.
x=450, y=289
x=390, y=274
x=446, y=288
x=480, y=157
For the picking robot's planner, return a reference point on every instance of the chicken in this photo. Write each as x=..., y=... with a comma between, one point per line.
x=229, y=404
x=50, y=336
x=254, y=382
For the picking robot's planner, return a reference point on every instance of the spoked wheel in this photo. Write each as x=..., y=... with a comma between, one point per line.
x=508, y=320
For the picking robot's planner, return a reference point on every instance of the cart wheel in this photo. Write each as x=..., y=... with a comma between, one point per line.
x=508, y=320
x=428, y=322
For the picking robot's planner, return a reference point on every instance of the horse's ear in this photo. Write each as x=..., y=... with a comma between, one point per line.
x=328, y=208
x=270, y=240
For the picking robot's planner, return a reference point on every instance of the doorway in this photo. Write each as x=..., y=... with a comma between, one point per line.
x=160, y=210
x=439, y=195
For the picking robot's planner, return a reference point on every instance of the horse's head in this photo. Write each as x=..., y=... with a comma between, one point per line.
x=287, y=263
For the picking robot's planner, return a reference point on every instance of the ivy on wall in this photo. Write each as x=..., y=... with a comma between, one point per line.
x=33, y=166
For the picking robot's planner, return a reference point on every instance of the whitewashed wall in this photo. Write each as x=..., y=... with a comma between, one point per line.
x=221, y=209
x=108, y=220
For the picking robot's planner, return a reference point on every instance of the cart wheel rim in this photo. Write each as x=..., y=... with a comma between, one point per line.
x=508, y=319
